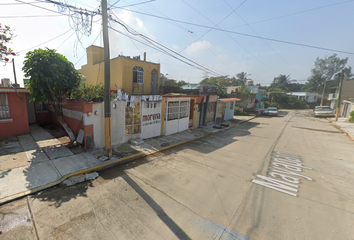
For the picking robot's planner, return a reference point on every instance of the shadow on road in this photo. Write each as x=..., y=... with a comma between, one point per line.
x=180, y=234
x=61, y=194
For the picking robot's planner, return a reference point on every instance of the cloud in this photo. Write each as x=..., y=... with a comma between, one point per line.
x=197, y=47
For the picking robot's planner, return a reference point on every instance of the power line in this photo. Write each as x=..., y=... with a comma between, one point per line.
x=33, y=16
x=163, y=51
x=65, y=41
x=131, y=4
x=85, y=49
x=253, y=30
x=46, y=41
x=206, y=45
x=21, y=3
x=226, y=33
x=161, y=48
x=244, y=34
x=134, y=32
x=295, y=13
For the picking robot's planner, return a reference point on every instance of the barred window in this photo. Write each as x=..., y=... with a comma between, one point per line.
x=4, y=106
x=173, y=110
x=177, y=110
x=138, y=75
x=184, y=109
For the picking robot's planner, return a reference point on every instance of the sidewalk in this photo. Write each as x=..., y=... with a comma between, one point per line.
x=345, y=126
x=33, y=162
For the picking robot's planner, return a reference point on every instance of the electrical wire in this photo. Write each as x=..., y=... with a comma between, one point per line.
x=131, y=4
x=151, y=41
x=65, y=41
x=253, y=30
x=292, y=14
x=163, y=51
x=33, y=16
x=244, y=34
x=226, y=33
x=85, y=49
x=46, y=41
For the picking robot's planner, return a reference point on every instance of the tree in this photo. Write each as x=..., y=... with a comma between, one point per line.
x=219, y=88
x=165, y=81
x=224, y=80
x=6, y=36
x=283, y=82
x=51, y=77
x=327, y=69
x=181, y=83
x=241, y=79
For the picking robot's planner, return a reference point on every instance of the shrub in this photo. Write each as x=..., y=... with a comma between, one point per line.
x=351, y=119
x=90, y=93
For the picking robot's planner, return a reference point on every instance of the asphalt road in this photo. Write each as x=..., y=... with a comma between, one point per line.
x=286, y=177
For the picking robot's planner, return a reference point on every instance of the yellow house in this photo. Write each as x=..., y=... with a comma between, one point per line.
x=133, y=75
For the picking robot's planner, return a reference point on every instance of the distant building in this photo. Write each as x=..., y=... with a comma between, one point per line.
x=133, y=75
x=347, y=93
x=261, y=94
x=191, y=86
x=207, y=88
x=305, y=96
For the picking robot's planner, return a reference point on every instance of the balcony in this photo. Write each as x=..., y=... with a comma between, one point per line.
x=332, y=96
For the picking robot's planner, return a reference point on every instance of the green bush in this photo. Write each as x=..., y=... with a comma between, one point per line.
x=351, y=119
x=90, y=93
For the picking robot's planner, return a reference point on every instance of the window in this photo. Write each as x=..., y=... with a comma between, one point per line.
x=4, y=106
x=177, y=110
x=132, y=118
x=231, y=105
x=138, y=75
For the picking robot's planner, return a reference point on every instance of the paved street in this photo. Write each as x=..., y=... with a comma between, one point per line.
x=287, y=177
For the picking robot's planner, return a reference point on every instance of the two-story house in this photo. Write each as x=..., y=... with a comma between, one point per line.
x=347, y=92
x=135, y=76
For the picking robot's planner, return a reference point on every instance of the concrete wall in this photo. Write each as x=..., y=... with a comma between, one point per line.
x=150, y=125
x=121, y=72
x=151, y=119
x=18, y=122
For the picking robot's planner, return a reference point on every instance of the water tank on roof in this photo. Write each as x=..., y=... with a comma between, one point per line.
x=249, y=83
x=5, y=82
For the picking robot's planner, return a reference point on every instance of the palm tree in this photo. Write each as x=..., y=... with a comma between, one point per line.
x=241, y=78
x=282, y=81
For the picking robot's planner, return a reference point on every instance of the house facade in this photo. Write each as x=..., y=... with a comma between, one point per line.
x=135, y=76
x=305, y=96
x=347, y=93
x=261, y=94
x=14, y=115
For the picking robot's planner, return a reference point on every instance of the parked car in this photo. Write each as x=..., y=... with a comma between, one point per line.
x=271, y=111
x=323, y=111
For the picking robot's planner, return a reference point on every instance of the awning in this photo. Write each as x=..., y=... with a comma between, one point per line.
x=229, y=99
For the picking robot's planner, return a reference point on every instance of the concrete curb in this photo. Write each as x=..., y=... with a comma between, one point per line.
x=106, y=165
x=342, y=129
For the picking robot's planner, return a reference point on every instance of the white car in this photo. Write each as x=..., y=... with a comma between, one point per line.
x=271, y=111
x=323, y=111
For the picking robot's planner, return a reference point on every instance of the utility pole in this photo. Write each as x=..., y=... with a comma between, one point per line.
x=323, y=92
x=342, y=76
x=13, y=65
x=107, y=82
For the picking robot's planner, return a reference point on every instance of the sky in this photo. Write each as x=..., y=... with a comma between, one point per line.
x=211, y=33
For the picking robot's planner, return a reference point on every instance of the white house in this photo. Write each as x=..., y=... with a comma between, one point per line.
x=306, y=96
